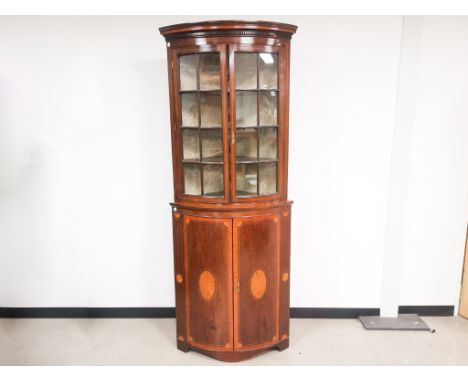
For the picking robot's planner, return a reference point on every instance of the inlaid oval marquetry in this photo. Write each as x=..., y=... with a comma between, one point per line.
x=207, y=285
x=258, y=284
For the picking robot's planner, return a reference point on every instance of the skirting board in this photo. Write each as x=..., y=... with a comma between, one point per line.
x=67, y=312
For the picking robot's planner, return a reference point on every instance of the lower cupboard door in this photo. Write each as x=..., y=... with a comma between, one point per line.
x=256, y=262
x=208, y=270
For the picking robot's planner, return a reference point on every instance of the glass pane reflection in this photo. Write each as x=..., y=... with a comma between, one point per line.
x=188, y=72
x=246, y=179
x=246, y=70
x=213, y=180
x=210, y=78
x=268, y=104
x=267, y=174
x=268, y=71
x=246, y=109
x=210, y=109
x=192, y=183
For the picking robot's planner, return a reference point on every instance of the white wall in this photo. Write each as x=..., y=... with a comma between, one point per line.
x=437, y=213
x=400, y=171
x=85, y=217
x=85, y=163
x=343, y=89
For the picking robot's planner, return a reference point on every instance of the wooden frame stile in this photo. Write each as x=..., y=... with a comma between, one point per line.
x=284, y=273
x=179, y=280
x=174, y=135
x=186, y=272
x=235, y=280
x=277, y=221
x=284, y=115
x=231, y=252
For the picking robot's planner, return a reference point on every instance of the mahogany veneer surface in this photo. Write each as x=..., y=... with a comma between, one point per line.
x=231, y=247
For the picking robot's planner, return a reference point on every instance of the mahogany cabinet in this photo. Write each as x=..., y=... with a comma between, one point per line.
x=229, y=100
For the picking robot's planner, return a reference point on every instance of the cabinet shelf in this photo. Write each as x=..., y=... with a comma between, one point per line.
x=201, y=127
x=213, y=195
x=244, y=194
x=210, y=160
x=208, y=91
x=256, y=127
x=255, y=160
x=257, y=90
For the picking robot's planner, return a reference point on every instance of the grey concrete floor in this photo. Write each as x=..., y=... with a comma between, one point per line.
x=152, y=342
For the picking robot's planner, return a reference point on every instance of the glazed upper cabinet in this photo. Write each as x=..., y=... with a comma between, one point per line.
x=255, y=85
x=229, y=99
x=229, y=122
x=201, y=109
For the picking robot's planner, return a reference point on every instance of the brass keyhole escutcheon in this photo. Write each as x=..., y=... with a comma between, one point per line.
x=179, y=278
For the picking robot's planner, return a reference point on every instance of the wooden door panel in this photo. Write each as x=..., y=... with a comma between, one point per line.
x=256, y=281
x=208, y=270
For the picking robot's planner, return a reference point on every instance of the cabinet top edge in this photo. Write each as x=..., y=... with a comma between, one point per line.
x=226, y=27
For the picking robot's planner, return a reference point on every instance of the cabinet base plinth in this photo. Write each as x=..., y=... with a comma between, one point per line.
x=233, y=356
x=183, y=346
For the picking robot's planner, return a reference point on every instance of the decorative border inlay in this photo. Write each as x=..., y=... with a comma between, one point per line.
x=229, y=33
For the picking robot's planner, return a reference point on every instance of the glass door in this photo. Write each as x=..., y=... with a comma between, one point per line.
x=201, y=122
x=255, y=127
